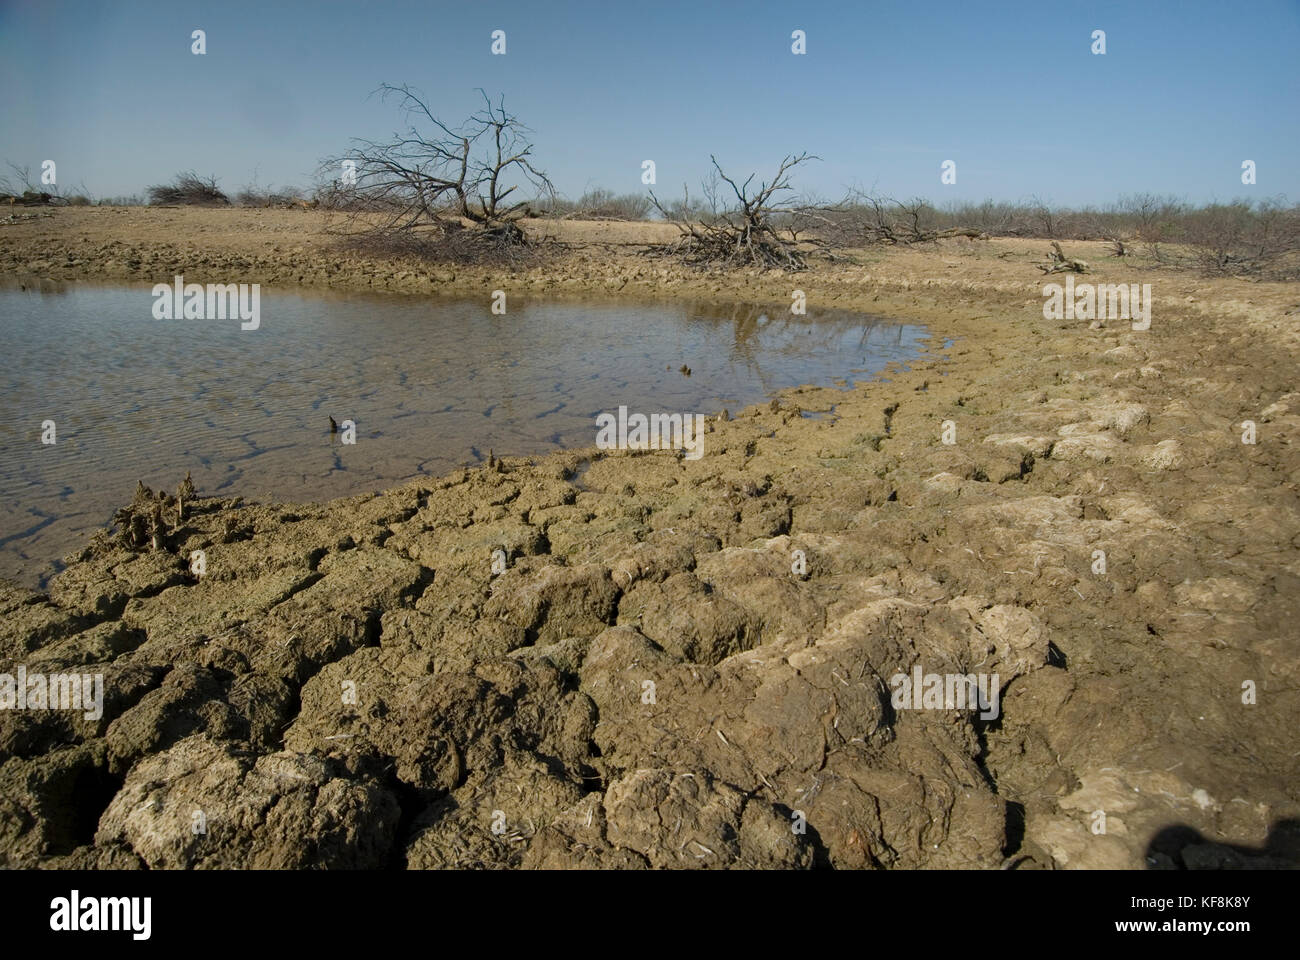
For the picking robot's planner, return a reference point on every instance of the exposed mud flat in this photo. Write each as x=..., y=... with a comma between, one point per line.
x=519, y=699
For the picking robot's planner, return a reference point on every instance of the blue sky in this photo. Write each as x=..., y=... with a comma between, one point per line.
x=886, y=92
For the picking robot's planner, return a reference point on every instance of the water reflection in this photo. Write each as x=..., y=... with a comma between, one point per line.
x=429, y=385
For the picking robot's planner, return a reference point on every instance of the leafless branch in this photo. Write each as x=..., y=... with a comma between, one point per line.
x=754, y=226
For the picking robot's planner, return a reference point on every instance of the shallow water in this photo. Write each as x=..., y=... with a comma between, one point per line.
x=430, y=384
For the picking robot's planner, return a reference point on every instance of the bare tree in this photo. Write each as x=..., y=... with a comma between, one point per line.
x=1042, y=212
x=688, y=209
x=743, y=228
x=1142, y=209
x=21, y=181
x=1114, y=227
x=878, y=224
x=422, y=183
x=23, y=190
x=862, y=218
x=1244, y=238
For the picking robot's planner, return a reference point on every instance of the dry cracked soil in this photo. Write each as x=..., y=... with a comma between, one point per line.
x=687, y=664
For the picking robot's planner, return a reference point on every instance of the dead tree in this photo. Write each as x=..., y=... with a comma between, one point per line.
x=1058, y=262
x=1042, y=212
x=24, y=191
x=879, y=225
x=415, y=189
x=744, y=230
x=862, y=219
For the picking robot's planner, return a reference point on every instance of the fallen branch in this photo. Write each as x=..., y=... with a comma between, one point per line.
x=1059, y=263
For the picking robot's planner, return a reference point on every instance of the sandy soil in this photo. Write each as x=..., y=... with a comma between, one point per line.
x=649, y=682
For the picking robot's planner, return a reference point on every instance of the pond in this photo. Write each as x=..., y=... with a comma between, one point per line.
x=429, y=385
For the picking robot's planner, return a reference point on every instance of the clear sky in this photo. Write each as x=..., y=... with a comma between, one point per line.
x=886, y=92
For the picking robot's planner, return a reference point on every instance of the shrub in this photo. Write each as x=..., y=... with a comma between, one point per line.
x=189, y=188
x=255, y=196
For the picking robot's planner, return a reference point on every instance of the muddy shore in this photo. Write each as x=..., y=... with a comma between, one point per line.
x=654, y=680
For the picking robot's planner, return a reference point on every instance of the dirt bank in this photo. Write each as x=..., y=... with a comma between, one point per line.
x=650, y=682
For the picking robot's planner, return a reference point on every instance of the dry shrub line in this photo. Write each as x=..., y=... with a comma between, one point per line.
x=286, y=198
x=1240, y=238
x=597, y=204
x=19, y=189
x=863, y=219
